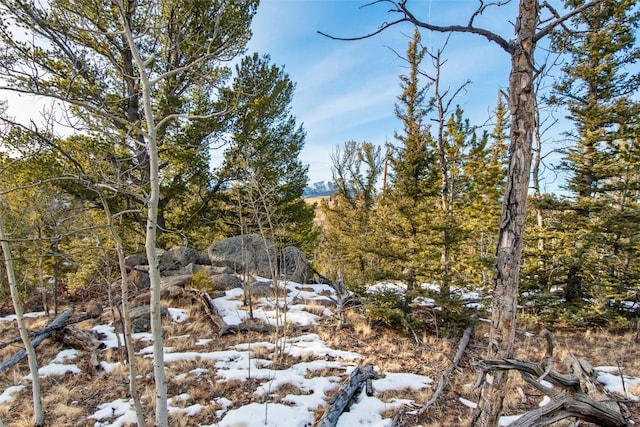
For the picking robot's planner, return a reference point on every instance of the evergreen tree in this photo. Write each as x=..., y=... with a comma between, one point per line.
x=265, y=146
x=408, y=202
x=482, y=186
x=412, y=161
x=598, y=90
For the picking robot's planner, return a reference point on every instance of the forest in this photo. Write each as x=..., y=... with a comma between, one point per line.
x=450, y=214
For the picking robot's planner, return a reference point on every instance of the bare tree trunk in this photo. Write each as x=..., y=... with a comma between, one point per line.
x=38, y=414
x=506, y=273
x=535, y=176
x=151, y=145
x=152, y=256
x=127, y=328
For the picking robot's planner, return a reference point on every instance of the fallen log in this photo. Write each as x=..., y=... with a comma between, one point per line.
x=80, y=339
x=51, y=328
x=354, y=383
x=574, y=395
x=209, y=307
x=57, y=323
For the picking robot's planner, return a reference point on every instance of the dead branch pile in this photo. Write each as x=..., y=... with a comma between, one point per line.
x=573, y=395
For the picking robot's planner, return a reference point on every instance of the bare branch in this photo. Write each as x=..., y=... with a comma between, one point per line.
x=383, y=27
x=97, y=110
x=407, y=16
x=482, y=8
x=559, y=21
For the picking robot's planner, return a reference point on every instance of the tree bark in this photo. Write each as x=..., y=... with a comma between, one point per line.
x=506, y=273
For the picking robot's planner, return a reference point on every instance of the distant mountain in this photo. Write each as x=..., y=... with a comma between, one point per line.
x=318, y=189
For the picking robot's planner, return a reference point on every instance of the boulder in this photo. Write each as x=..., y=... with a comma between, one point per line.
x=212, y=269
x=178, y=280
x=134, y=260
x=141, y=317
x=209, y=269
x=224, y=282
x=177, y=257
x=261, y=290
x=248, y=253
x=294, y=265
x=140, y=279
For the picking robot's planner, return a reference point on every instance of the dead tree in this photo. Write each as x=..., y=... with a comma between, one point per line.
x=573, y=395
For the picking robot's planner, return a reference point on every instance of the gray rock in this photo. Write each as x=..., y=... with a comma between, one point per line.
x=209, y=269
x=178, y=280
x=177, y=257
x=134, y=260
x=212, y=269
x=294, y=265
x=141, y=317
x=261, y=290
x=225, y=282
x=140, y=279
x=248, y=253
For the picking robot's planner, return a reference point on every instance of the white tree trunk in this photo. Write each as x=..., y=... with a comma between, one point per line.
x=151, y=145
x=38, y=414
x=126, y=318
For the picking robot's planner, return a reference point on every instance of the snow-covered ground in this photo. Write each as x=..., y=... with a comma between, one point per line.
x=239, y=362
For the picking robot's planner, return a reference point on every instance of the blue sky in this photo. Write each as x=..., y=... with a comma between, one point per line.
x=347, y=90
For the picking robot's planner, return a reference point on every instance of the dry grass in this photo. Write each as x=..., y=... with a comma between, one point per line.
x=71, y=398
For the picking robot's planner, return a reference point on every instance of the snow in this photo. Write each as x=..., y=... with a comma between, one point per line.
x=178, y=315
x=611, y=378
x=13, y=318
x=6, y=395
x=120, y=409
x=366, y=411
x=399, y=381
x=57, y=367
x=306, y=379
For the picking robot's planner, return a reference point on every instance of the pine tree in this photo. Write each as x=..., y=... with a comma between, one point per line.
x=480, y=187
x=409, y=200
x=598, y=92
x=412, y=161
x=265, y=147
x=90, y=69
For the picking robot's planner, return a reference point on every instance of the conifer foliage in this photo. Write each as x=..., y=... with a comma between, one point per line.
x=591, y=246
x=262, y=164
x=433, y=220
